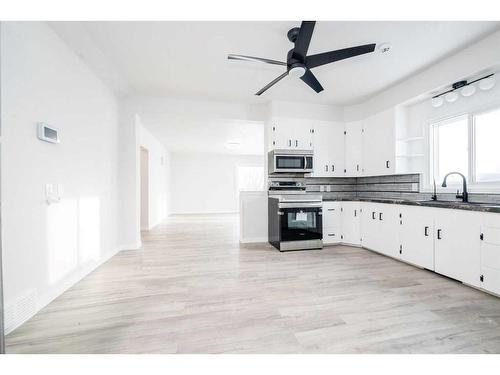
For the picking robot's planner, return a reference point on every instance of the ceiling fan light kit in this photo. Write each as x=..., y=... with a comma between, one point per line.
x=465, y=88
x=299, y=64
x=297, y=71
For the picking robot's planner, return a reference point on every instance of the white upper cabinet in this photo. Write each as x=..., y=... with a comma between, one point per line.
x=328, y=149
x=353, y=149
x=379, y=144
x=291, y=133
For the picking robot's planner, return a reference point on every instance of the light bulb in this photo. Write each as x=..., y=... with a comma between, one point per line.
x=297, y=71
x=437, y=102
x=451, y=97
x=468, y=90
x=487, y=83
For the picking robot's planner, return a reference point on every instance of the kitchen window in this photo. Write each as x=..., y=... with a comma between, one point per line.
x=467, y=144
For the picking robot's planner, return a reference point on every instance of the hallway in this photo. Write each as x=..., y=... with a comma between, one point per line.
x=194, y=289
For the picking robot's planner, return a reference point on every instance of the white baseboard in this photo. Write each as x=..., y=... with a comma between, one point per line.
x=135, y=246
x=204, y=213
x=253, y=240
x=16, y=311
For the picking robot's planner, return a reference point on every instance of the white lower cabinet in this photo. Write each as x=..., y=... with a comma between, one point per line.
x=331, y=222
x=380, y=228
x=490, y=254
x=416, y=236
x=369, y=226
x=457, y=245
x=351, y=223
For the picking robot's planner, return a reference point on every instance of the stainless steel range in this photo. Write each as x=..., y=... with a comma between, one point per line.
x=294, y=218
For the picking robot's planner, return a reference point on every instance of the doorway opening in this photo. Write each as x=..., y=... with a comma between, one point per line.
x=144, y=166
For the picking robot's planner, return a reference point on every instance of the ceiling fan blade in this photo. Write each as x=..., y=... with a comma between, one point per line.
x=303, y=39
x=272, y=83
x=311, y=81
x=254, y=59
x=340, y=54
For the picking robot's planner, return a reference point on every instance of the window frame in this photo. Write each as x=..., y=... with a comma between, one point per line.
x=431, y=146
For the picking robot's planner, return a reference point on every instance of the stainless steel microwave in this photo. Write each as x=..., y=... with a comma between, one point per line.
x=290, y=161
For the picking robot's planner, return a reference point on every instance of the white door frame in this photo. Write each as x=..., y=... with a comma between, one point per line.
x=144, y=185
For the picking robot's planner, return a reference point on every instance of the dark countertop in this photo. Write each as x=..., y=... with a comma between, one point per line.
x=469, y=206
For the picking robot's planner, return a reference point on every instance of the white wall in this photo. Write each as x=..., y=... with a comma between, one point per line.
x=159, y=170
x=47, y=248
x=206, y=183
x=305, y=110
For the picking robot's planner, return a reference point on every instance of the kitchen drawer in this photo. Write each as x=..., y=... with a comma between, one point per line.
x=331, y=235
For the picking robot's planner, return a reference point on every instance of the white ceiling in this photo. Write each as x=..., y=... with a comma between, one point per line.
x=188, y=59
x=188, y=135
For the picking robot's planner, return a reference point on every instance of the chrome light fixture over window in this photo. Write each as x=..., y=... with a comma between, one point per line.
x=465, y=88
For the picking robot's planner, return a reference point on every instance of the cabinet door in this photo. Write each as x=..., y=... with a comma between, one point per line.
x=457, y=245
x=281, y=134
x=328, y=149
x=351, y=223
x=353, y=149
x=336, y=149
x=369, y=226
x=302, y=134
x=331, y=222
x=416, y=236
x=379, y=144
x=490, y=258
x=388, y=230
x=322, y=139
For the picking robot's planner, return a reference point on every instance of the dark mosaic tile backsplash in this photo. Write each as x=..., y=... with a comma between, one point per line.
x=391, y=187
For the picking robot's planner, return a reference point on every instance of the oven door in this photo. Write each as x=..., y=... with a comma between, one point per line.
x=301, y=224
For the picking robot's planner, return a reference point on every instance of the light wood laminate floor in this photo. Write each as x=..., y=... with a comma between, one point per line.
x=195, y=289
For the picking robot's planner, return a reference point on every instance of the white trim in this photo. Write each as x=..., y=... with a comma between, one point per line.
x=204, y=213
x=254, y=240
x=473, y=186
x=135, y=246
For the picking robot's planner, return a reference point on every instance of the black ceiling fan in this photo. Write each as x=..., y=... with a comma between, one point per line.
x=298, y=64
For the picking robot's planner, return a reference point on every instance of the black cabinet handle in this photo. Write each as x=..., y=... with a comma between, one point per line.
x=333, y=168
x=357, y=167
x=373, y=215
x=326, y=168
x=380, y=216
x=387, y=164
x=439, y=234
x=426, y=231
x=355, y=213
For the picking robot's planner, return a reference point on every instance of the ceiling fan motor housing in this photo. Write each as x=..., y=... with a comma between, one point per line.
x=293, y=34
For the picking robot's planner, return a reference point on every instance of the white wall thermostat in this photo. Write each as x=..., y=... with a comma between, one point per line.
x=48, y=133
